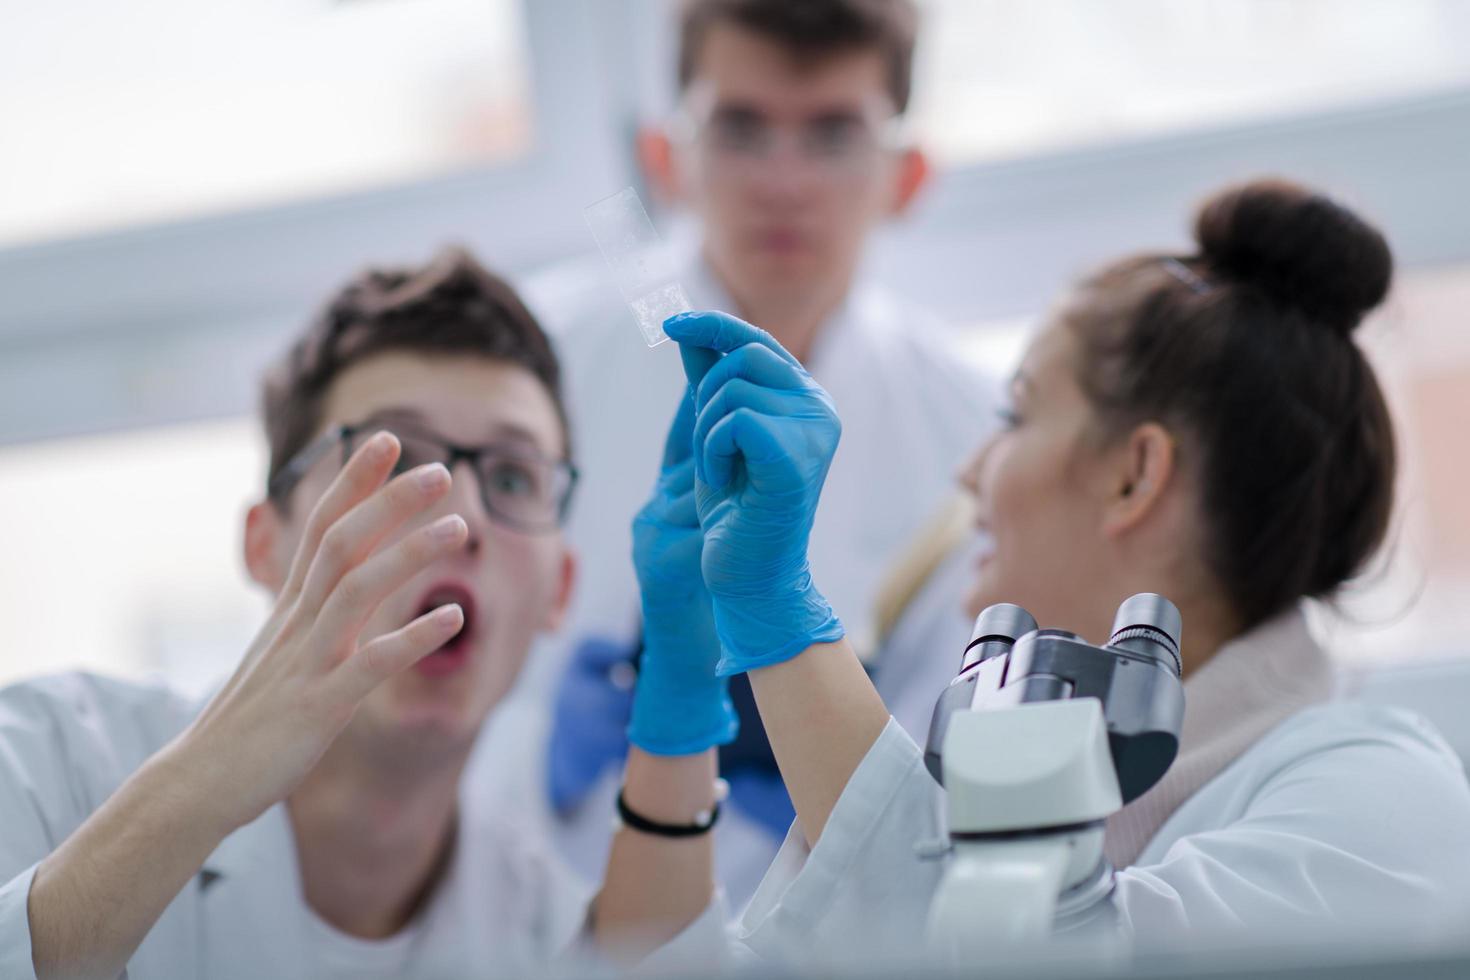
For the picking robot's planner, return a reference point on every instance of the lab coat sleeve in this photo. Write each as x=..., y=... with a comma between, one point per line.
x=15, y=927
x=862, y=892
x=38, y=808
x=1357, y=822
x=66, y=742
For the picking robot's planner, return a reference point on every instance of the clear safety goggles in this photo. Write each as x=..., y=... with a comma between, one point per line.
x=740, y=141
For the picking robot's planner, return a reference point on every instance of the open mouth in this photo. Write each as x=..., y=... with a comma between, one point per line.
x=455, y=653
x=984, y=546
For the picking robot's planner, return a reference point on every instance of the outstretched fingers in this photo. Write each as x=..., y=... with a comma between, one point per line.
x=385, y=656
x=354, y=535
x=362, y=589
x=363, y=473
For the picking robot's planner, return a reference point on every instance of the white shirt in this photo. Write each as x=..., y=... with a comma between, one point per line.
x=67, y=742
x=912, y=411
x=1344, y=818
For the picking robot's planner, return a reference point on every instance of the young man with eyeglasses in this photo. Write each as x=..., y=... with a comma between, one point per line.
x=788, y=148
x=306, y=819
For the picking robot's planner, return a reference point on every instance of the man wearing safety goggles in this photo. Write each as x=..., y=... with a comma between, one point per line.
x=788, y=151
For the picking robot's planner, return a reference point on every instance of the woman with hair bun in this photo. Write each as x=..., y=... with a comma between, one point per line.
x=1201, y=425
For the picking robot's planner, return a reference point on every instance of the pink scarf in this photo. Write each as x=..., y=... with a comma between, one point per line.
x=1254, y=683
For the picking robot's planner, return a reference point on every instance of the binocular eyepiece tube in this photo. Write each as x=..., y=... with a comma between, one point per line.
x=1149, y=624
x=997, y=629
x=1146, y=624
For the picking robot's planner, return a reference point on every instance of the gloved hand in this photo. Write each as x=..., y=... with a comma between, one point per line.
x=590, y=719
x=764, y=436
x=679, y=706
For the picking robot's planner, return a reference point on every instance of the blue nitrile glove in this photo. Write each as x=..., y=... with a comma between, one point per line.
x=764, y=437
x=590, y=719
x=679, y=706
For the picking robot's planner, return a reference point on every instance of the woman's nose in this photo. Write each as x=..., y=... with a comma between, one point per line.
x=969, y=475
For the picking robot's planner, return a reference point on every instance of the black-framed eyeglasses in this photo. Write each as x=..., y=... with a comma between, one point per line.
x=519, y=487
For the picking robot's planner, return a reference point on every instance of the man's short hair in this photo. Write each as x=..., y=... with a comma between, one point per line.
x=811, y=30
x=453, y=305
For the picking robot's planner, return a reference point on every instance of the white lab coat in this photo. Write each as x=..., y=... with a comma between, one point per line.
x=505, y=907
x=1345, y=818
x=912, y=410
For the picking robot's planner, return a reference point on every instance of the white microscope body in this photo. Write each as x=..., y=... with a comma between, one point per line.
x=1037, y=741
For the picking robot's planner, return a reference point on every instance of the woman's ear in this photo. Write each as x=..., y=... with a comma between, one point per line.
x=262, y=546
x=1144, y=470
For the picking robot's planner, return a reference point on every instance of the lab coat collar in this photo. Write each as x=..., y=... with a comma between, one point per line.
x=1277, y=664
x=1251, y=685
x=253, y=916
x=248, y=848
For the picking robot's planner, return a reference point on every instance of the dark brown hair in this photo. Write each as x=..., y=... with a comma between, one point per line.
x=811, y=30
x=1246, y=349
x=452, y=305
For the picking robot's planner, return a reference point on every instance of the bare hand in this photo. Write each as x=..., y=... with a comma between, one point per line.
x=306, y=671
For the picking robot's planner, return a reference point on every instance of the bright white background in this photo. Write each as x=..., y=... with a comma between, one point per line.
x=180, y=183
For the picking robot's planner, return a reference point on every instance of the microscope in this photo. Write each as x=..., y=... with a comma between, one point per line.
x=1040, y=738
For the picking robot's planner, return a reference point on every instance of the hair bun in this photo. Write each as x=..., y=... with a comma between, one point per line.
x=1301, y=248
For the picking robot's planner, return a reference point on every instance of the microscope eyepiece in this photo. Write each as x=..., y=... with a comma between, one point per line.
x=997, y=628
x=1148, y=623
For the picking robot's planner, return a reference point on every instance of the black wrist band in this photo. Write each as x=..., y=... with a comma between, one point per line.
x=643, y=825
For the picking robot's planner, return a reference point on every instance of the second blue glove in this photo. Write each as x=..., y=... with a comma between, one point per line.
x=680, y=706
